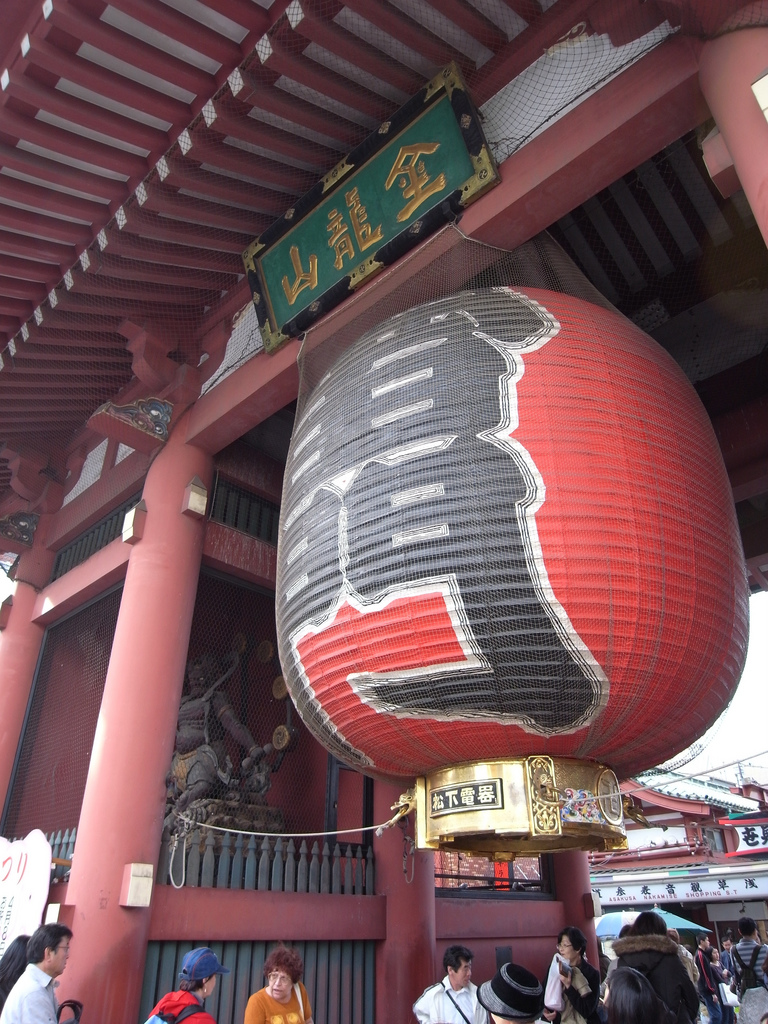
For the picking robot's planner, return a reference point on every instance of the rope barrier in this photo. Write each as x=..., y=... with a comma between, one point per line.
x=401, y=809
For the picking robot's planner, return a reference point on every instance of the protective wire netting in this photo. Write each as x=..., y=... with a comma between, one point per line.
x=53, y=758
x=462, y=575
x=243, y=760
x=192, y=193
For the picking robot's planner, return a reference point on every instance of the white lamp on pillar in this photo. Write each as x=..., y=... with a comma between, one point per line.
x=195, y=499
x=760, y=89
x=134, y=522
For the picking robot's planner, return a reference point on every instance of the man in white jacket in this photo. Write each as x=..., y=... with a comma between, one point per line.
x=454, y=999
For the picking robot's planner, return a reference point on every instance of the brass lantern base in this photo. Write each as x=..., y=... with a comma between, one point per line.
x=530, y=805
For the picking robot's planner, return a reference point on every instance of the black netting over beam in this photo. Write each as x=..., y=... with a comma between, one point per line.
x=52, y=764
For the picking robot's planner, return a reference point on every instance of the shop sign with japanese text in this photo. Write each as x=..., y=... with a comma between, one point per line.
x=752, y=836
x=418, y=171
x=25, y=878
x=673, y=890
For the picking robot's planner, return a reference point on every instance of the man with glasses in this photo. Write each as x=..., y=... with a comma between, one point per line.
x=32, y=1000
x=454, y=999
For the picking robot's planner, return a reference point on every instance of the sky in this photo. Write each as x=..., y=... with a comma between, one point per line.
x=741, y=730
x=739, y=733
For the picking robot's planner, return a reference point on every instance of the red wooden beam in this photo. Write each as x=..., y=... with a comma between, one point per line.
x=254, y=392
x=317, y=25
x=410, y=33
x=8, y=327
x=287, y=59
x=27, y=382
x=22, y=410
x=146, y=306
x=173, y=255
x=51, y=201
x=233, y=914
x=218, y=319
x=232, y=120
x=15, y=308
x=60, y=175
x=166, y=229
x=62, y=16
x=62, y=339
x=60, y=320
x=82, y=403
x=246, y=13
x=71, y=145
x=37, y=235
x=48, y=274
x=35, y=96
x=85, y=356
x=19, y=289
x=471, y=21
x=55, y=61
x=260, y=93
x=209, y=148
x=189, y=176
x=44, y=252
x=146, y=272
x=529, y=10
x=163, y=18
x=165, y=200
x=115, y=289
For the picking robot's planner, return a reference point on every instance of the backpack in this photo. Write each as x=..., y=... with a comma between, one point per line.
x=747, y=975
x=666, y=1014
x=170, y=1018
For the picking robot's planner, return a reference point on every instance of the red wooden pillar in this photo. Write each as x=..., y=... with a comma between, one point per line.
x=20, y=644
x=122, y=813
x=405, y=960
x=574, y=891
x=728, y=66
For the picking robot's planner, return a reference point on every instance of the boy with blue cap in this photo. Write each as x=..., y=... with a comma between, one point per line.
x=197, y=979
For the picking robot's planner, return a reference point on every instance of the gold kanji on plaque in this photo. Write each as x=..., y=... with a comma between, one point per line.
x=410, y=172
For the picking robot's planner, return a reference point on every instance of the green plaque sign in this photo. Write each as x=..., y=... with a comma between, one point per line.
x=419, y=170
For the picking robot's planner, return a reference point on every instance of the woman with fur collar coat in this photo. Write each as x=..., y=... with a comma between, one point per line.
x=649, y=949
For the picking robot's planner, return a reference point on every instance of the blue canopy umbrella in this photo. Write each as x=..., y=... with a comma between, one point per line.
x=609, y=925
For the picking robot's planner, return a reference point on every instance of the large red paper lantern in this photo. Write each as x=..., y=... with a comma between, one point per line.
x=507, y=530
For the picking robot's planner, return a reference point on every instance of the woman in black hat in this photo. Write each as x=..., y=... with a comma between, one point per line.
x=512, y=994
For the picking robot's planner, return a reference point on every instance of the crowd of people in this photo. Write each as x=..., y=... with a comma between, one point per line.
x=653, y=979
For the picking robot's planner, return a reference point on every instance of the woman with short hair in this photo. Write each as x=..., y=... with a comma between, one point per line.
x=580, y=981
x=283, y=1000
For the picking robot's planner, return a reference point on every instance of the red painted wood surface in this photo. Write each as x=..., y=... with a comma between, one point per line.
x=235, y=915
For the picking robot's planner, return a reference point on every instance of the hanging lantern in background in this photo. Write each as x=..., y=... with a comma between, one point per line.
x=508, y=558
